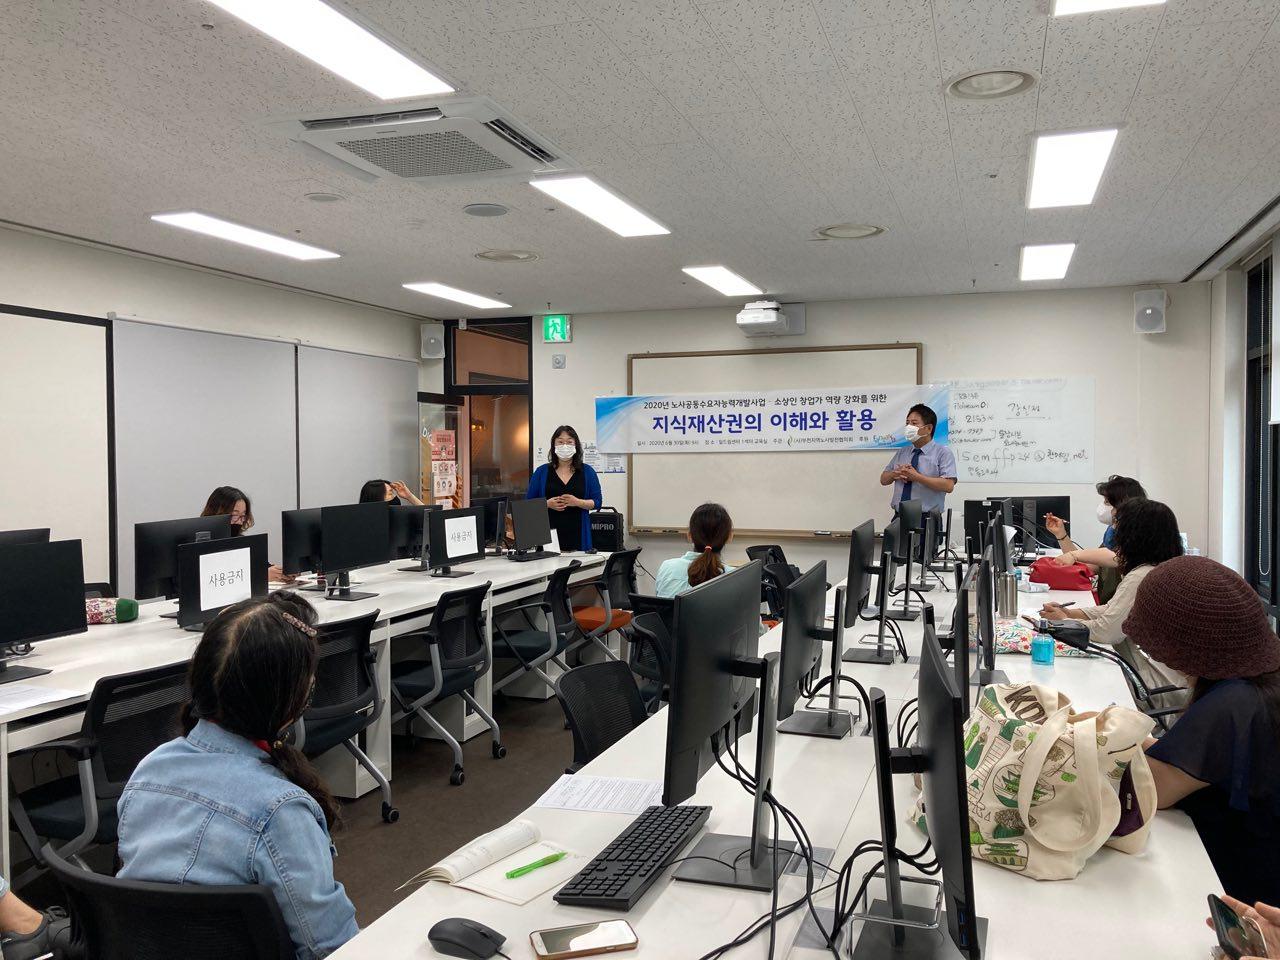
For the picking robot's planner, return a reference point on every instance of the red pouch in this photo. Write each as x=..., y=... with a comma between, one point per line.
x=1075, y=577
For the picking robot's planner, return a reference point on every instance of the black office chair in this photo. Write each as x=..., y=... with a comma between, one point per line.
x=651, y=658
x=346, y=700
x=459, y=658
x=613, y=589
x=664, y=607
x=127, y=717
x=531, y=645
x=93, y=591
x=766, y=553
x=135, y=920
x=602, y=704
x=775, y=578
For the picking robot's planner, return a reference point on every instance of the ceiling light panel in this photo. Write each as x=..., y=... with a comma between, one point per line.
x=236, y=233
x=340, y=45
x=1045, y=261
x=1066, y=168
x=605, y=208
x=457, y=296
x=724, y=280
x=1064, y=8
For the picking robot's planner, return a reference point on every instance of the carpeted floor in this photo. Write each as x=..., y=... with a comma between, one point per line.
x=436, y=818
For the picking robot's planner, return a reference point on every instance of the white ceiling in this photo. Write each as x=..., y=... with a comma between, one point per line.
x=740, y=124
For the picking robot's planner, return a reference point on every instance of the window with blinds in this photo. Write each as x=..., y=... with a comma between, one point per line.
x=1260, y=445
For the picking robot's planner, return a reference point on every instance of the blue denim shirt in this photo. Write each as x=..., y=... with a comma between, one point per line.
x=208, y=809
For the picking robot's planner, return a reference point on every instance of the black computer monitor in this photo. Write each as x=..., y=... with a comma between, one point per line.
x=966, y=603
x=978, y=514
x=214, y=574
x=941, y=718
x=910, y=517
x=155, y=551
x=801, y=655
x=1028, y=517
x=716, y=670
x=454, y=537
x=495, y=521
x=998, y=537
x=41, y=597
x=352, y=535
x=406, y=530
x=12, y=538
x=985, y=589
x=862, y=544
x=531, y=521
x=300, y=531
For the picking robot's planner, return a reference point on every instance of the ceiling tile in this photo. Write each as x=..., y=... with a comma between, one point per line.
x=766, y=37
x=984, y=36
x=889, y=60
x=653, y=27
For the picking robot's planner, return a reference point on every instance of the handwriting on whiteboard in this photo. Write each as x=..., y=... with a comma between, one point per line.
x=1023, y=431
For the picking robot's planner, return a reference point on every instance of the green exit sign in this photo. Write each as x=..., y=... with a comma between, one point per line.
x=555, y=328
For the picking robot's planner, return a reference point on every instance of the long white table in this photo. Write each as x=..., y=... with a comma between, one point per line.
x=405, y=602
x=1149, y=905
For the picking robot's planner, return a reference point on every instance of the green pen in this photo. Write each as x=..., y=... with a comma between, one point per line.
x=530, y=867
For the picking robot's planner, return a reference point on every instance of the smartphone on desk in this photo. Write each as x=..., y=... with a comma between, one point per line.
x=1237, y=936
x=583, y=940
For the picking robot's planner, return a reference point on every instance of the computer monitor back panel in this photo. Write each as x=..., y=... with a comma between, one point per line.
x=300, y=531
x=801, y=642
x=354, y=535
x=1028, y=517
x=13, y=538
x=531, y=521
x=41, y=591
x=455, y=536
x=862, y=542
x=716, y=623
x=945, y=793
x=985, y=590
x=155, y=551
x=217, y=573
x=407, y=530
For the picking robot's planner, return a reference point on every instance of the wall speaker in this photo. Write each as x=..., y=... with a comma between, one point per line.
x=432, y=341
x=1149, y=311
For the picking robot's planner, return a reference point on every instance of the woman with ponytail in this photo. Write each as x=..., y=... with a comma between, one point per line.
x=710, y=528
x=231, y=801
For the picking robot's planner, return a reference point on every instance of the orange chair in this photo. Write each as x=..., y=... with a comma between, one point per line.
x=614, y=590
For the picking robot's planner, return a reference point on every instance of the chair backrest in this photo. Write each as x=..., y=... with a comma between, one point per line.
x=557, y=597
x=776, y=577
x=664, y=607
x=767, y=553
x=92, y=590
x=136, y=920
x=620, y=577
x=458, y=625
x=602, y=704
x=650, y=647
x=129, y=715
x=345, y=683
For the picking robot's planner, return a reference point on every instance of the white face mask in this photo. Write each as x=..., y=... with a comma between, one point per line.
x=566, y=451
x=912, y=433
x=1106, y=514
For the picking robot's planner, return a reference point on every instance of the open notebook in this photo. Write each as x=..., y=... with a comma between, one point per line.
x=482, y=864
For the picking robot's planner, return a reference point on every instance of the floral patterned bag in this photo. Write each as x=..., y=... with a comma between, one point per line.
x=1048, y=787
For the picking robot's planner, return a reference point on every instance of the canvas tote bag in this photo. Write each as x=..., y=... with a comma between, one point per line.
x=1048, y=786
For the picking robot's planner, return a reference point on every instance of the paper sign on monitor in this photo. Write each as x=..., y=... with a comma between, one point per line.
x=460, y=537
x=225, y=577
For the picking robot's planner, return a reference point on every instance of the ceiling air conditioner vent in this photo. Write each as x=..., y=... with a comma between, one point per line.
x=462, y=140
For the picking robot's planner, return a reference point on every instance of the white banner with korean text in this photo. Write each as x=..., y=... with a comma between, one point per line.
x=826, y=418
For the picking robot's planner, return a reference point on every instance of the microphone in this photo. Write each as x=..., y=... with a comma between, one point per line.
x=110, y=610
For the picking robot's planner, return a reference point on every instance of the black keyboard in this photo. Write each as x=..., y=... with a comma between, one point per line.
x=620, y=874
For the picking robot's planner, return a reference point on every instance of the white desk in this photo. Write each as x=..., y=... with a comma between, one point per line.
x=1150, y=905
x=405, y=602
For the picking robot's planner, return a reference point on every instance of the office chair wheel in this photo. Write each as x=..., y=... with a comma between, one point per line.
x=389, y=813
x=457, y=776
x=499, y=751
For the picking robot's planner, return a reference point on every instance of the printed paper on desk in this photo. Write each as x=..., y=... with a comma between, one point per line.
x=460, y=537
x=493, y=881
x=602, y=794
x=553, y=545
x=225, y=578
x=21, y=696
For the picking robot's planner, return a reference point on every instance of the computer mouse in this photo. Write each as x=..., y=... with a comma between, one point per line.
x=459, y=937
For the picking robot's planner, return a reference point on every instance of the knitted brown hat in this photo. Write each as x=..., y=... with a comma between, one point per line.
x=1198, y=617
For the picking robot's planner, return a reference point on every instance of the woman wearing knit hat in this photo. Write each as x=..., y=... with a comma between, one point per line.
x=1219, y=762
x=1146, y=534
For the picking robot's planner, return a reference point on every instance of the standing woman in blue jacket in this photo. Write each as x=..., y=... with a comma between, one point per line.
x=571, y=487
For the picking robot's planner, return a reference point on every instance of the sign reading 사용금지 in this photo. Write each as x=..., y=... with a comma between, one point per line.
x=826, y=418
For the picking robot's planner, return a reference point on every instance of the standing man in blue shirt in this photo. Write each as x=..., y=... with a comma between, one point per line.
x=924, y=471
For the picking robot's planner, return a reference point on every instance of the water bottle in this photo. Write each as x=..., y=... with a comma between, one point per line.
x=1043, y=649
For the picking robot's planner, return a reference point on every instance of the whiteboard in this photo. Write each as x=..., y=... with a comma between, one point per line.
x=783, y=492
x=55, y=460
x=195, y=411
x=1023, y=431
x=357, y=421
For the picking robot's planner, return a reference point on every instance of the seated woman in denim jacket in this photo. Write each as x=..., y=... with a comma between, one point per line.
x=231, y=803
